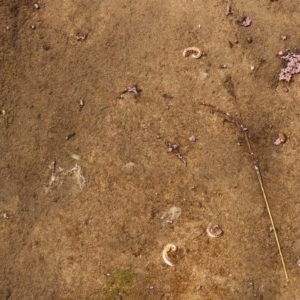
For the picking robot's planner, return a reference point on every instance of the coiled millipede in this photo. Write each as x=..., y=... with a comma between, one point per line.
x=192, y=51
x=165, y=256
x=214, y=231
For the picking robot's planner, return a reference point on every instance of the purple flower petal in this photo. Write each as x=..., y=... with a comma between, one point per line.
x=246, y=22
x=292, y=67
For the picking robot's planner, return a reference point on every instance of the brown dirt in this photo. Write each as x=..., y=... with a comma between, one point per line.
x=104, y=241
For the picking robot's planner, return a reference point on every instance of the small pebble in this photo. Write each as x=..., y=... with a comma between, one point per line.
x=281, y=139
x=280, y=53
x=81, y=105
x=75, y=156
x=192, y=138
x=5, y=215
x=70, y=135
x=81, y=37
x=36, y=6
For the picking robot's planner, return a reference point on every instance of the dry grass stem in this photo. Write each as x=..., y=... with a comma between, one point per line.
x=244, y=130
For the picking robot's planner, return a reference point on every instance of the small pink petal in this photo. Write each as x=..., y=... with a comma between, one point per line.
x=246, y=22
x=192, y=138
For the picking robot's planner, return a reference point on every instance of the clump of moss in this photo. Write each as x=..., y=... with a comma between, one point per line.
x=120, y=283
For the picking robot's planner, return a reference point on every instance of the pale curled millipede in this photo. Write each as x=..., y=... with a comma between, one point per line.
x=214, y=231
x=169, y=247
x=194, y=52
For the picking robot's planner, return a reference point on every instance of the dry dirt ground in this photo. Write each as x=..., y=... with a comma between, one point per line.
x=84, y=216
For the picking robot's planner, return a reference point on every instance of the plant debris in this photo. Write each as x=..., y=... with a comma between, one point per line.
x=133, y=89
x=58, y=175
x=228, y=10
x=246, y=22
x=292, y=67
x=174, y=148
x=172, y=214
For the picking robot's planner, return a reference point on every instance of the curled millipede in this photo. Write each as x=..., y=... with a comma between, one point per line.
x=214, y=231
x=192, y=51
x=165, y=256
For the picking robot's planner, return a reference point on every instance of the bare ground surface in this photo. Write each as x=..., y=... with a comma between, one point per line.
x=100, y=236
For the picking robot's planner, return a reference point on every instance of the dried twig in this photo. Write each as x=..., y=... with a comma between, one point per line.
x=174, y=148
x=239, y=123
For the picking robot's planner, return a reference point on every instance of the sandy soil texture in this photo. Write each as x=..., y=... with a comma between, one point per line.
x=108, y=155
